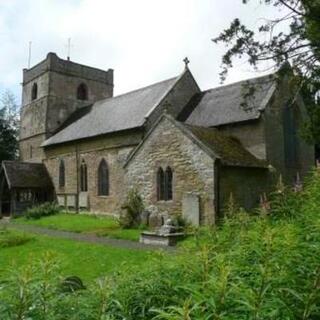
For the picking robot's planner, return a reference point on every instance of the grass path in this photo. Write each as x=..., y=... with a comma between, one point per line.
x=103, y=226
x=84, y=237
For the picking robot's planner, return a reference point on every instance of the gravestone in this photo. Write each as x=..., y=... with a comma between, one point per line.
x=71, y=201
x=61, y=200
x=144, y=217
x=155, y=220
x=83, y=200
x=191, y=208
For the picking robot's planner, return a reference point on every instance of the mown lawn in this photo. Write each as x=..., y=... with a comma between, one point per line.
x=88, y=261
x=84, y=223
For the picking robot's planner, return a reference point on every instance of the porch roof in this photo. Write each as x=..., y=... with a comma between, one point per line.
x=26, y=175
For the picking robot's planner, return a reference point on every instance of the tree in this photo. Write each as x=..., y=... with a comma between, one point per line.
x=9, y=127
x=300, y=46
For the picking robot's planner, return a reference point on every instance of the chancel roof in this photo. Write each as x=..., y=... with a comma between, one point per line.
x=26, y=175
x=237, y=102
x=123, y=112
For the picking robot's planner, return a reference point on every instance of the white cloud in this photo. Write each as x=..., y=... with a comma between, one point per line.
x=143, y=40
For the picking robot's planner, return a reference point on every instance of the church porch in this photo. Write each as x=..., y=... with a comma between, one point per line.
x=23, y=185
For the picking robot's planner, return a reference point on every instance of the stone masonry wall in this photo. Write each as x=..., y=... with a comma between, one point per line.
x=185, y=88
x=30, y=148
x=193, y=170
x=57, y=82
x=114, y=150
x=245, y=184
x=275, y=136
x=250, y=134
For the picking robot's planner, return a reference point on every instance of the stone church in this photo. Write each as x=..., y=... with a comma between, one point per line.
x=183, y=149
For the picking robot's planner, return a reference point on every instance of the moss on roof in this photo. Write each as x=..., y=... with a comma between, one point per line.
x=227, y=148
x=26, y=175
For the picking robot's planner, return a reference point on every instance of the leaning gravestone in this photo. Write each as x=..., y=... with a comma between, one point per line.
x=191, y=208
x=144, y=217
x=155, y=220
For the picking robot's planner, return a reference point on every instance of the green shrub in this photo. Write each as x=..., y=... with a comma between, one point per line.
x=12, y=239
x=43, y=210
x=284, y=202
x=133, y=207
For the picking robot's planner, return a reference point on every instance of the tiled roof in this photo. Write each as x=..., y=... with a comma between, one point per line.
x=224, y=105
x=123, y=112
x=26, y=174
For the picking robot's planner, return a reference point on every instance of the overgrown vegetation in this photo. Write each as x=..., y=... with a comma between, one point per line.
x=12, y=239
x=251, y=267
x=42, y=210
x=133, y=207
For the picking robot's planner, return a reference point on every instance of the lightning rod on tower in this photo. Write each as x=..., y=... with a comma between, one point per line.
x=29, y=56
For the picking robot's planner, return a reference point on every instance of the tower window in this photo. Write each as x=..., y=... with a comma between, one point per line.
x=61, y=174
x=103, y=178
x=82, y=92
x=34, y=91
x=83, y=177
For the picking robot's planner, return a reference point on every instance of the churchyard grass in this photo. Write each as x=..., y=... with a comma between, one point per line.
x=86, y=260
x=84, y=223
x=250, y=267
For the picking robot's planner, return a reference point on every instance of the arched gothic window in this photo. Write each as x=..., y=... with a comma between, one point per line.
x=103, y=178
x=160, y=184
x=164, y=184
x=168, y=184
x=82, y=92
x=34, y=92
x=83, y=177
x=62, y=175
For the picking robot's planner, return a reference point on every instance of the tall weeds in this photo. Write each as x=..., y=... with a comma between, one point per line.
x=251, y=267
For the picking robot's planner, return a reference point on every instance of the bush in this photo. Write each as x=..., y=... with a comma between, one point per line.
x=42, y=210
x=12, y=239
x=284, y=202
x=133, y=207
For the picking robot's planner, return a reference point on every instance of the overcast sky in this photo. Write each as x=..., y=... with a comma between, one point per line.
x=144, y=41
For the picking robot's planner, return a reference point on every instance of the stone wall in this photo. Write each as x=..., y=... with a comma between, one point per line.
x=245, y=184
x=57, y=81
x=274, y=120
x=30, y=148
x=184, y=89
x=264, y=137
x=251, y=134
x=193, y=170
x=113, y=148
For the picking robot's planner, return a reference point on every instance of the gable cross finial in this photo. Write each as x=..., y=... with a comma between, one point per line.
x=186, y=61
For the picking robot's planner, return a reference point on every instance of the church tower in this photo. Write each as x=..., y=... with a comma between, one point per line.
x=52, y=91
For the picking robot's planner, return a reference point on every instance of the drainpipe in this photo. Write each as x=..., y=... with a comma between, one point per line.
x=77, y=169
